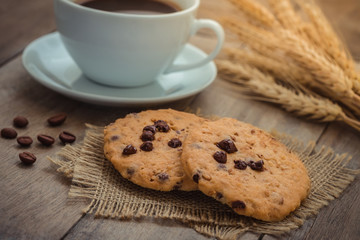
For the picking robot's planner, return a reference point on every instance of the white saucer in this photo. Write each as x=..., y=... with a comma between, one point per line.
x=49, y=63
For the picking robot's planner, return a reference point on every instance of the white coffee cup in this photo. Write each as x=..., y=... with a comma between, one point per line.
x=129, y=50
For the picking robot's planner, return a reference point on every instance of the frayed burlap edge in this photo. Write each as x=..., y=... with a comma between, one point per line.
x=328, y=173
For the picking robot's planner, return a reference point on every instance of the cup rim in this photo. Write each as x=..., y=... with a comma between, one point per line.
x=132, y=15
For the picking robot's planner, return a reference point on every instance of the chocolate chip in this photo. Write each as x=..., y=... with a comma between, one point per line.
x=238, y=204
x=177, y=186
x=147, y=146
x=9, y=133
x=57, y=120
x=174, y=143
x=163, y=176
x=222, y=166
x=130, y=171
x=45, y=139
x=220, y=157
x=147, y=136
x=150, y=128
x=129, y=149
x=161, y=126
x=239, y=164
x=227, y=145
x=218, y=195
x=24, y=141
x=258, y=165
x=27, y=157
x=114, y=138
x=67, y=137
x=20, y=122
x=252, y=131
x=196, y=177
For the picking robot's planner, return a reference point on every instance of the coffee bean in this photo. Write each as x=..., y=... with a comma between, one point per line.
x=147, y=136
x=239, y=164
x=258, y=165
x=227, y=145
x=24, y=141
x=220, y=157
x=163, y=176
x=196, y=177
x=27, y=157
x=238, y=204
x=45, y=140
x=161, y=126
x=129, y=149
x=67, y=137
x=57, y=120
x=150, y=128
x=20, y=122
x=147, y=146
x=9, y=133
x=174, y=143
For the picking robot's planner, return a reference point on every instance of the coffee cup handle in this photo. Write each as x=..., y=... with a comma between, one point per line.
x=198, y=24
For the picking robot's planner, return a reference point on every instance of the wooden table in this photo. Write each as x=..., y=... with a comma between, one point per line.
x=33, y=200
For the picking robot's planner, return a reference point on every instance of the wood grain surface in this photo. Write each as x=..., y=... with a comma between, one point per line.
x=33, y=199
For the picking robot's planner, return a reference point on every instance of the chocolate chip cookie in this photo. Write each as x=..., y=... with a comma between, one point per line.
x=245, y=168
x=146, y=147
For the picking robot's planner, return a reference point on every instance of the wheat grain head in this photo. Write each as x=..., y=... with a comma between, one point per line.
x=286, y=15
x=266, y=89
x=256, y=12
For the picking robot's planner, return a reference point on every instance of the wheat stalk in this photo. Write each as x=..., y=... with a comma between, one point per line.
x=285, y=14
x=329, y=39
x=319, y=32
x=302, y=54
x=330, y=43
x=256, y=12
x=259, y=40
x=280, y=69
x=249, y=79
x=330, y=79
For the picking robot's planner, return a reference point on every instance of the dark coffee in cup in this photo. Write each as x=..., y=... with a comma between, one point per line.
x=131, y=50
x=132, y=6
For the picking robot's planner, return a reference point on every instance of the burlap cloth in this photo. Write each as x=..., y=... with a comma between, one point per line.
x=111, y=196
